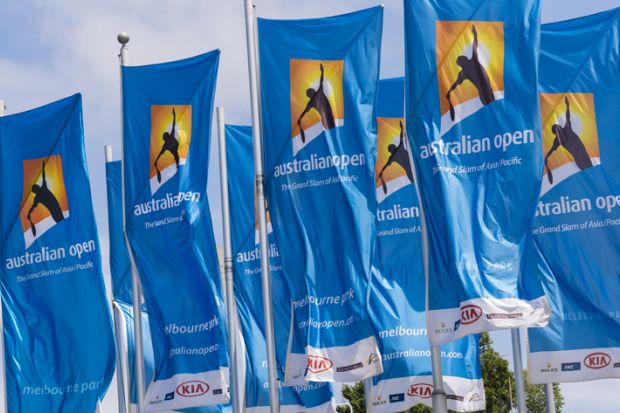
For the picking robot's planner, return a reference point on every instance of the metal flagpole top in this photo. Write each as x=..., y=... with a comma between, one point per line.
x=108, y=153
x=123, y=38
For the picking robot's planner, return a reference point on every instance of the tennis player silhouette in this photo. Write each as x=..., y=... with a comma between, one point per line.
x=45, y=197
x=319, y=102
x=171, y=144
x=400, y=155
x=472, y=70
x=566, y=137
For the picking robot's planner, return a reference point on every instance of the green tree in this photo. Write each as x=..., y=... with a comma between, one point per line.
x=499, y=390
x=535, y=397
x=497, y=377
x=355, y=395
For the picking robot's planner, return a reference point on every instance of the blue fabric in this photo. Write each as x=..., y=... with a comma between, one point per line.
x=59, y=344
x=120, y=271
x=397, y=295
x=474, y=126
x=248, y=287
x=577, y=225
x=167, y=114
x=319, y=83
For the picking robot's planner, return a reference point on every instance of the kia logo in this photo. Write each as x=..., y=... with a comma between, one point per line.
x=192, y=388
x=422, y=390
x=597, y=360
x=317, y=364
x=470, y=314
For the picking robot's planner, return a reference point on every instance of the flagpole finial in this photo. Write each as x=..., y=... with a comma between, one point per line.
x=123, y=38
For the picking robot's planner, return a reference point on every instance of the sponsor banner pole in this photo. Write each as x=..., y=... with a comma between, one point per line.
x=250, y=27
x=440, y=401
x=518, y=362
x=119, y=328
x=123, y=39
x=2, y=362
x=550, y=397
x=122, y=362
x=228, y=264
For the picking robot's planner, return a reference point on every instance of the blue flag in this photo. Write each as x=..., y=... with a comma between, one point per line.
x=121, y=284
x=319, y=82
x=59, y=344
x=167, y=125
x=474, y=126
x=312, y=397
x=120, y=271
x=396, y=300
x=577, y=225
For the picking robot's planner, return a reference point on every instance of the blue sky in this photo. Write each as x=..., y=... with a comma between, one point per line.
x=51, y=49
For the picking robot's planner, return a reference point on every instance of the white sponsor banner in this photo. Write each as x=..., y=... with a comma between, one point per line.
x=486, y=314
x=403, y=393
x=188, y=390
x=357, y=361
x=573, y=365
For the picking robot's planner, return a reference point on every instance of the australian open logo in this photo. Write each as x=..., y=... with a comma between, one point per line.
x=171, y=133
x=317, y=100
x=470, y=68
x=393, y=166
x=570, y=137
x=44, y=200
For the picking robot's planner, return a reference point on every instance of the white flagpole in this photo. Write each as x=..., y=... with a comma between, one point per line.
x=228, y=269
x=119, y=327
x=122, y=362
x=439, y=397
x=440, y=400
x=518, y=364
x=4, y=395
x=550, y=397
x=123, y=39
x=250, y=27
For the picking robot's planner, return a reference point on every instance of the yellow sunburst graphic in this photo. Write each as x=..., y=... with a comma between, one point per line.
x=570, y=133
x=316, y=94
x=393, y=169
x=171, y=133
x=470, y=66
x=388, y=133
x=44, y=200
